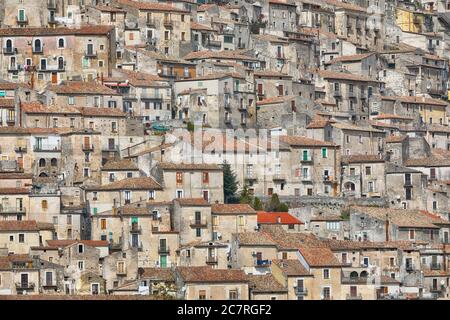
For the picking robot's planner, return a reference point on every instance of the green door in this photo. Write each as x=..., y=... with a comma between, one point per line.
x=305, y=155
x=163, y=261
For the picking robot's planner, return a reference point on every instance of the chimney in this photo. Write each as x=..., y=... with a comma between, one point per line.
x=387, y=227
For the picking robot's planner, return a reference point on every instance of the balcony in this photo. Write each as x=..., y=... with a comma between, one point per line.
x=51, y=20
x=87, y=147
x=352, y=94
x=337, y=94
x=135, y=228
x=301, y=291
x=211, y=260
x=202, y=223
x=136, y=245
x=353, y=297
x=20, y=149
x=9, y=50
x=151, y=22
x=115, y=245
x=50, y=285
x=152, y=96
x=243, y=108
x=90, y=54
x=214, y=43
x=278, y=177
x=121, y=272
x=24, y=286
x=262, y=263
x=306, y=178
x=251, y=178
x=47, y=148
x=12, y=210
x=435, y=266
x=306, y=159
x=227, y=121
x=22, y=20
x=168, y=23
x=163, y=250
x=38, y=50
x=111, y=148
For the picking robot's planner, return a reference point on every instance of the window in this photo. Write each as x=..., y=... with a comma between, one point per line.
x=241, y=221
x=44, y=204
x=103, y=224
x=324, y=152
x=202, y=295
x=368, y=171
x=179, y=177
x=412, y=234
x=408, y=193
x=233, y=295
x=80, y=248
x=205, y=177
x=151, y=195
x=21, y=237
x=198, y=232
x=71, y=100
x=81, y=265
x=326, y=293
x=326, y=273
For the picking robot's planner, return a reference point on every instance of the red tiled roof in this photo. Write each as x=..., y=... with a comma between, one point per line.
x=151, y=6
x=81, y=87
x=361, y=158
x=208, y=275
x=141, y=183
x=85, y=30
x=14, y=190
x=65, y=243
x=188, y=166
x=277, y=218
x=319, y=257
x=192, y=202
x=13, y=225
x=304, y=141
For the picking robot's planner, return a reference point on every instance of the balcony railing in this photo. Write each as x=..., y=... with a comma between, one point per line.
x=435, y=266
x=114, y=148
x=137, y=245
x=50, y=284
x=91, y=53
x=278, y=177
x=168, y=23
x=263, y=263
x=301, y=291
x=151, y=22
x=211, y=260
x=39, y=49
x=135, y=228
x=22, y=20
x=9, y=50
x=87, y=147
x=309, y=158
x=25, y=285
x=213, y=43
x=47, y=148
x=51, y=20
x=12, y=210
x=337, y=94
x=121, y=272
x=163, y=249
x=20, y=149
x=251, y=178
x=201, y=223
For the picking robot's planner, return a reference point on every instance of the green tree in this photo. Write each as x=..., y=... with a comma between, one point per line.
x=245, y=196
x=257, y=204
x=230, y=184
x=276, y=205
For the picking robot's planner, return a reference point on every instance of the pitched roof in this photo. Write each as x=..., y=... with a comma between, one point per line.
x=188, y=166
x=141, y=183
x=161, y=274
x=65, y=243
x=123, y=164
x=328, y=74
x=225, y=54
x=277, y=218
x=265, y=283
x=254, y=239
x=300, y=141
x=401, y=217
x=416, y=100
x=85, y=30
x=326, y=217
x=348, y=126
x=192, y=202
x=210, y=275
x=14, y=190
x=24, y=225
x=81, y=87
x=219, y=208
x=101, y=112
x=291, y=267
x=275, y=100
x=37, y=107
x=362, y=158
x=319, y=257
x=151, y=6
x=351, y=58
x=395, y=138
x=432, y=161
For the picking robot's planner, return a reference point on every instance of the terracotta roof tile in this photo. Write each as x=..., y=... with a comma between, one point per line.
x=416, y=100
x=192, y=202
x=219, y=208
x=291, y=267
x=13, y=225
x=210, y=275
x=265, y=283
x=254, y=239
x=85, y=30
x=327, y=74
x=277, y=218
x=319, y=257
x=151, y=6
x=65, y=243
x=362, y=158
x=141, y=183
x=124, y=164
x=300, y=141
x=81, y=87
x=161, y=274
x=225, y=54
x=351, y=58
x=14, y=190
x=395, y=139
x=188, y=166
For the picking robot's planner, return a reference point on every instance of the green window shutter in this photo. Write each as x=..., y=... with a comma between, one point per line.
x=134, y=219
x=95, y=210
x=305, y=155
x=324, y=152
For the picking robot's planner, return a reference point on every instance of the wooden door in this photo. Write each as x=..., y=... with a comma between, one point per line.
x=54, y=77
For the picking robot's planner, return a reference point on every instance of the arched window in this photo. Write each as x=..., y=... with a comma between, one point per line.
x=61, y=43
x=349, y=186
x=37, y=45
x=53, y=162
x=363, y=274
x=41, y=162
x=354, y=274
x=44, y=204
x=8, y=44
x=43, y=175
x=60, y=63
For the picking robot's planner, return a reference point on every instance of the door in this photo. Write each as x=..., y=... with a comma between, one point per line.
x=280, y=90
x=163, y=261
x=300, y=285
x=206, y=195
x=54, y=77
x=134, y=240
x=90, y=49
x=353, y=291
x=24, y=280
x=260, y=89
x=94, y=289
x=49, y=278
x=20, y=162
x=111, y=144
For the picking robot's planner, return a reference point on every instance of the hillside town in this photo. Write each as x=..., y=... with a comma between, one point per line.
x=225, y=150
